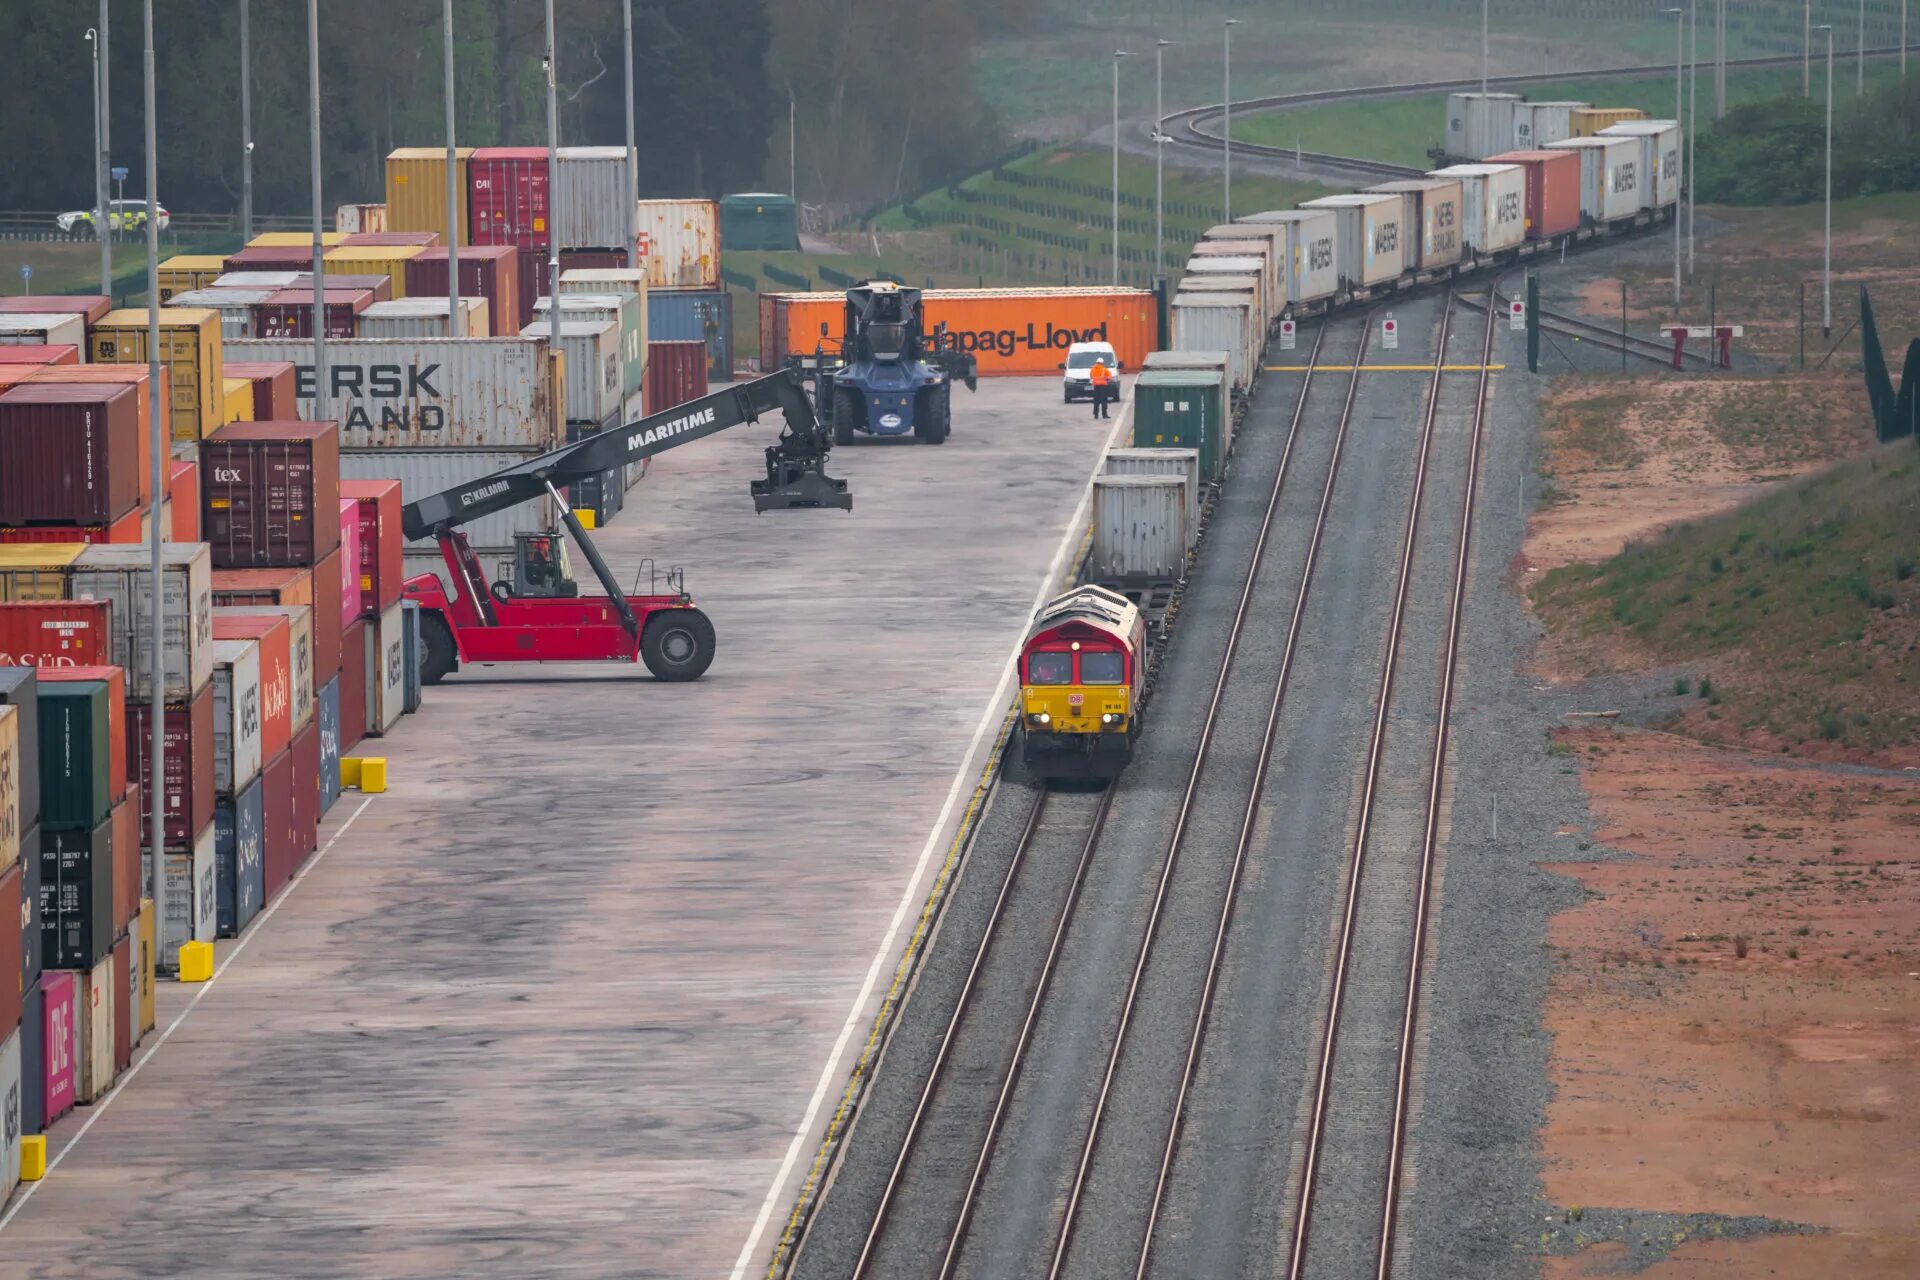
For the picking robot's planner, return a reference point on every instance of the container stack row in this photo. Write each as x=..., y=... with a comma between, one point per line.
x=1480, y=126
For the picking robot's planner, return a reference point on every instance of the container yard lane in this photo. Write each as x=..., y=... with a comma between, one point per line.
x=563, y=1002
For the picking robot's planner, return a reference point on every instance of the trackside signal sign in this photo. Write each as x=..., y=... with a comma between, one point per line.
x=1286, y=335
x=1390, y=334
x=1517, y=315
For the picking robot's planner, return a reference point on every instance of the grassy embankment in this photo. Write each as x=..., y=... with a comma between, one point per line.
x=69, y=267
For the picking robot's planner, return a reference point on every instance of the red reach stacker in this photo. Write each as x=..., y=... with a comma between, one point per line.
x=538, y=614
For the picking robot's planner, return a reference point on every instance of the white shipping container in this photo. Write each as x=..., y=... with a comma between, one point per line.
x=10, y=1112
x=35, y=328
x=120, y=575
x=1218, y=322
x=1535, y=124
x=1659, y=167
x=1275, y=240
x=447, y=393
x=1493, y=204
x=189, y=912
x=387, y=685
x=237, y=715
x=271, y=281
x=1272, y=289
x=1184, y=463
x=626, y=309
x=299, y=653
x=1313, y=251
x=356, y=218
x=605, y=280
x=1431, y=208
x=94, y=993
x=1370, y=246
x=1241, y=266
x=424, y=472
x=679, y=243
x=1480, y=124
x=592, y=347
x=1139, y=527
x=10, y=774
x=590, y=204
x=234, y=305
x=1610, y=185
x=421, y=317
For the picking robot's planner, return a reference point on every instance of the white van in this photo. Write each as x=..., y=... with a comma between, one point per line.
x=1081, y=357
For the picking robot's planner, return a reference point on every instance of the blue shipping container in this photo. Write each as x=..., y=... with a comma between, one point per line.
x=30, y=943
x=695, y=315
x=327, y=711
x=239, y=835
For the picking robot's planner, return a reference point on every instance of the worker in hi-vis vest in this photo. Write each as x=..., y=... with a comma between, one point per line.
x=1102, y=379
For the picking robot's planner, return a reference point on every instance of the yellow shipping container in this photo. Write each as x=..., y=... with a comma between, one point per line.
x=190, y=350
x=388, y=260
x=294, y=239
x=36, y=570
x=417, y=190
x=238, y=401
x=1588, y=121
x=147, y=960
x=185, y=272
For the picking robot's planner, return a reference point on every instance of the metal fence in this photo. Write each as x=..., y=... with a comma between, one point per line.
x=41, y=224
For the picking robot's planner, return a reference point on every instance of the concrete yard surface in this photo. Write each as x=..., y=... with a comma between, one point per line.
x=557, y=1003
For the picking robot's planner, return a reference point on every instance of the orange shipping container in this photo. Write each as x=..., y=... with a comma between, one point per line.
x=1009, y=331
x=183, y=487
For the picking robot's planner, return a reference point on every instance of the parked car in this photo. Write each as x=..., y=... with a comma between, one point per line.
x=122, y=215
x=1077, y=384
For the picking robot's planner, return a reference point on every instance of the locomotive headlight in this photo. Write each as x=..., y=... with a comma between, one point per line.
x=1044, y=718
x=1106, y=717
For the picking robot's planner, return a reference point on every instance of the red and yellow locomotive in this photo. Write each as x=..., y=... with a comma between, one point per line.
x=1081, y=673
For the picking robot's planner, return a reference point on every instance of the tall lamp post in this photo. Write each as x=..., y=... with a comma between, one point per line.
x=552, y=68
x=320, y=377
x=633, y=151
x=100, y=223
x=1680, y=190
x=104, y=104
x=1826, y=260
x=1860, y=54
x=1226, y=133
x=1689, y=145
x=1806, y=49
x=1117, y=55
x=157, y=444
x=246, y=124
x=1159, y=162
x=456, y=323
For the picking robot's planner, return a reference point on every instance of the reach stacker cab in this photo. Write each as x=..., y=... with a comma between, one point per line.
x=535, y=611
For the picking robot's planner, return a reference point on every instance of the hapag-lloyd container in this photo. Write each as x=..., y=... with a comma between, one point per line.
x=1493, y=199
x=427, y=471
x=591, y=203
x=188, y=778
x=359, y=654
x=191, y=911
x=423, y=318
x=1610, y=176
x=1218, y=322
x=627, y=310
x=507, y=196
x=299, y=621
x=41, y=329
x=679, y=243
x=380, y=568
x=1432, y=205
x=272, y=387
x=676, y=373
x=270, y=634
x=239, y=840
x=61, y=1056
x=1659, y=158
x=76, y=895
x=271, y=496
x=55, y=633
x=450, y=393
x=594, y=369
x=1553, y=190
x=120, y=575
x=236, y=714
x=69, y=452
x=279, y=848
x=326, y=714
x=387, y=692
x=1371, y=247
x=1139, y=527
x=21, y=691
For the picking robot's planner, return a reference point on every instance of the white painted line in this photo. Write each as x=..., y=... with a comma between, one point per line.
x=99, y=1108
x=963, y=781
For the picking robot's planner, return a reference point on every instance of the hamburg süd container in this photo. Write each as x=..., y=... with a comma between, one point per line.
x=300, y=659
x=1610, y=179
x=389, y=260
x=417, y=189
x=452, y=393
x=48, y=634
x=60, y=1080
x=69, y=452
x=272, y=633
x=595, y=372
x=191, y=911
x=280, y=849
x=83, y=746
x=1659, y=158
x=271, y=496
x=42, y=329
x=387, y=691
x=1139, y=528
x=1535, y=124
x=423, y=317
x=1553, y=190
x=1184, y=463
x=1372, y=249
x=380, y=570
x=239, y=839
x=1589, y=121
x=20, y=691
x=679, y=243
x=359, y=646
x=1219, y=322
x=1494, y=204
x=1431, y=208
x=626, y=310
x=1480, y=124
x=188, y=777
x=590, y=204
x=491, y=272
x=676, y=373
x=289, y=313
x=237, y=715
x=120, y=575
x=190, y=348
x=507, y=197
x=1184, y=409
x=1313, y=251
x=76, y=895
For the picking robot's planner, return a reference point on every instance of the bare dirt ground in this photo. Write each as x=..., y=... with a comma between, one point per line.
x=1736, y=1010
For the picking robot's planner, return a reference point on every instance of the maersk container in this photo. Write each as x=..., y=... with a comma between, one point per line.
x=40, y=328
x=679, y=243
x=590, y=203
x=1313, y=251
x=1493, y=203
x=1218, y=322
x=1185, y=409
x=121, y=576
x=237, y=715
x=450, y=393
x=1535, y=124
x=1249, y=267
x=1660, y=158
x=1610, y=179
x=239, y=831
x=1272, y=285
x=594, y=370
x=1371, y=247
x=628, y=310
x=1431, y=206
x=1480, y=124
x=694, y=316
x=1139, y=528
x=1267, y=234
x=422, y=472
x=1184, y=463
x=412, y=317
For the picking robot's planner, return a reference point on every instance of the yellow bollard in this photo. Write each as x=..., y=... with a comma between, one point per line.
x=33, y=1157
x=196, y=961
x=585, y=516
x=349, y=771
x=373, y=775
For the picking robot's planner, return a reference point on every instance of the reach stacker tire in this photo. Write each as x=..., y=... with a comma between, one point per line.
x=438, y=654
x=677, y=644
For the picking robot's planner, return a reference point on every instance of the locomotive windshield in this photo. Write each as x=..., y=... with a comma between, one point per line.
x=1100, y=668
x=1050, y=668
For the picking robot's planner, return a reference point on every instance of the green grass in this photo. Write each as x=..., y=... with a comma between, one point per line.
x=1401, y=130
x=1805, y=602
x=67, y=267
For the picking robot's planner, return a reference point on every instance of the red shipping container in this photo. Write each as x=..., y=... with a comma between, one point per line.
x=271, y=494
x=268, y=257
x=123, y=1000
x=1553, y=190
x=188, y=804
x=286, y=585
x=272, y=386
x=11, y=954
x=306, y=789
x=280, y=851
x=90, y=305
x=507, y=197
x=115, y=679
x=133, y=375
x=490, y=271
x=354, y=656
x=12, y=374
x=183, y=489
x=349, y=281
x=349, y=564
x=382, y=564
x=125, y=843
x=676, y=373
x=130, y=528
x=329, y=584
x=274, y=634
x=423, y=239
x=289, y=313
x=55, y=633
x=41, y=353
x=69, y=453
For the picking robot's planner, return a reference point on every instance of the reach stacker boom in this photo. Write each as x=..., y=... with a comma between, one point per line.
x=538, y=614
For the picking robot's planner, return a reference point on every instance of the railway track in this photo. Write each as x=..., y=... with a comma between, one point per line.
x=1651, y=350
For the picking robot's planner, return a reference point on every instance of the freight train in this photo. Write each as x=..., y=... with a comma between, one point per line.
x=1083, y=670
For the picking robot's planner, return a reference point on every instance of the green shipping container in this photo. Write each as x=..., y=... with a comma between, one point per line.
x=759, y=222
x=76, y=736
x=1182, y=409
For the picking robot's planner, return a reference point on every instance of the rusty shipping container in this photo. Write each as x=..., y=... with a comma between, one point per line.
x=69, y=452
x=121, y=576
x=464, y=393
x=676, y=373
x=187, y=778
x=507, y=198
x=417, y=189
x=270, y=493
x=382, y=571
x=356, y=219
x=486, y=271
x=679, y=243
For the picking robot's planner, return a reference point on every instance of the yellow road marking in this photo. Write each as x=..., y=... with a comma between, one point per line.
x=1384, y=368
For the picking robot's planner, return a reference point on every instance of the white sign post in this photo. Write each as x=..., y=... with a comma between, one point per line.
x=1390, y=333
x=1286, y=335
